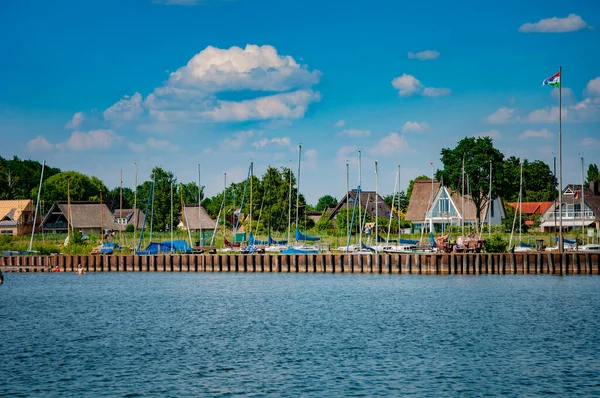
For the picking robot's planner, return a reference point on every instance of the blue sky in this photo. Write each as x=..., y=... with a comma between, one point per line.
x=95, y=86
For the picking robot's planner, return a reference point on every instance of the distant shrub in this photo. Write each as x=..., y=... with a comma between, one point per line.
x=496, y=244
x=129, y=228
x=45, y=250
x=6, y=241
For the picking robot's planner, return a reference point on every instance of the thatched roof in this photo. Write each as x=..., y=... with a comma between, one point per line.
x=421, y=201
x=131, y=215
x=367, y=202
x=11, y=210
x=193, y=218
x=85, y=215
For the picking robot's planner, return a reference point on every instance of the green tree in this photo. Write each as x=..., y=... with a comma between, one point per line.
x=399, y=197
x=78, y=186
x=325, y=201
x=19, y=178
x=539, y=184
x=478, y=153
x=592, y=174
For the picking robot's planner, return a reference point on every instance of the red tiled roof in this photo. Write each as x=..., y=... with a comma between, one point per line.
x=532, y=207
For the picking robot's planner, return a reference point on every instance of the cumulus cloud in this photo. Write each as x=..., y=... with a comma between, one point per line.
x=389, y=145
x=283, y=141
x=571, y=23
x=94, y=139
x=311, y=154
x=415, y=127
x=408, y=85
x=494, y=134
x=161, y=145
x=593, y=87
x=75, y=121
x=39, y=144
x=502, y=115
x=239, y=139
x=543, y=133
x=590, y=142
x=587, y=110
x=354, y=133
x=346, y=150
x=340, y=123
x=127, y=108
x=424, y=55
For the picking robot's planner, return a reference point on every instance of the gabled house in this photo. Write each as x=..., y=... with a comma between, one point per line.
x=579, y=208
x=530, y=210
x=367, y=201
x=125, y=217
x=87, y=217
x=16, y=217
x=433, y=206
x=194, y=219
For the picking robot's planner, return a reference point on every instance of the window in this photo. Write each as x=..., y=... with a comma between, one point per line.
x=492, y=208
x=6, y=232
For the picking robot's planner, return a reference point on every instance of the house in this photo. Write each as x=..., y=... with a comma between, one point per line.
x=87, y=217
x=16, y=217
x=367, y=201
x=573, y=216
x=432, y=206
x=195, y=219
x=126, y=217
x=530, y=210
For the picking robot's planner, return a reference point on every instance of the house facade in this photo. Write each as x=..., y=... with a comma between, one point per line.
x=126, y=217
x=16, y=217
x=369, y=201
x=580, y=209
x=433, y=207
x=87, y=217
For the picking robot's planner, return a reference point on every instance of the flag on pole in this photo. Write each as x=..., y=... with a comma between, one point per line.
x=552, y=80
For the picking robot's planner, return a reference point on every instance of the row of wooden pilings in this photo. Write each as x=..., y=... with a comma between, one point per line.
x=384, y=263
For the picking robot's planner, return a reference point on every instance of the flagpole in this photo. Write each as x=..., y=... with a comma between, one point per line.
x=560, y=219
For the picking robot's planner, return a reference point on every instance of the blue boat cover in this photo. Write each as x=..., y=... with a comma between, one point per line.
x=300, y=236
x=565, y=240
x=271, y=241
x=292, y=250
x=369, y=248
x=523, y=244
x=179, y=246
x=407, y=241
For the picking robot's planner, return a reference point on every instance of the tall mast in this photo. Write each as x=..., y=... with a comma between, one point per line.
x=224, y=207
x=359, y=197
x=135, y=212
x=152, y=209
x=398, y=204
x=121, y=210
x=560, y=219
x=37, y=205
x=396, y=189
x=376, y=201
x=289, y=205
x=251, y=202
x=171, y=226
x=347, y=199
x=69, y=206
x=184, y=218
x=298, y=185
x=201, y=240
x=490, y=204
x=521, y=204
x=101, y=219
x=582, y=204
x=462, y=210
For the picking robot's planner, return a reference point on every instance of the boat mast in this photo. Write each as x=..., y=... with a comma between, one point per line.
x=121, y=210
x=359, y=197
x=398, y=206
x=521, y=205
x=135, y=212
x=462, y=210
x=582, y=204
x=490, y=204
x=347, y=199
x=376, y=203
x=289, y=205
x=201, y=240
x=298, y=185
x=396, y=189
x=37, y=205
x=251, y=202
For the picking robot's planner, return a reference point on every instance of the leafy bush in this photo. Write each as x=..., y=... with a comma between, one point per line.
x=496, y=244
x=45, y=250
x=6, y=241
x=129, y=228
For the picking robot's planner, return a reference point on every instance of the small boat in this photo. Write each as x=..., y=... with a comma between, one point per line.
x=275, y=248
x=589, y=248
x=301, y=249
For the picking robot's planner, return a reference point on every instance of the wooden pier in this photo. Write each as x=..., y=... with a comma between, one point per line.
x=382, y=263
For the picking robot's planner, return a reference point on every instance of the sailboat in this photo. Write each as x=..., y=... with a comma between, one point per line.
x=301, y=248
x=522, y=247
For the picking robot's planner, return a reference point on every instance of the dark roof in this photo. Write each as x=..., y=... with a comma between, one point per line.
x=591, y=199
x=131, y=215
x=86, y=215
x=367, y=202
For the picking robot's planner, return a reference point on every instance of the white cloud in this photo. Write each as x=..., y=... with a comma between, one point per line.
x=414, y=127
x=543, y=133
x=546, y=115
x=408, y=85
x=587, y=110
x=75, y=121
x=127, y=108
x=389, y=145
x=346, y=150
x=94, y=139
x=137, y=148
x=340, y=123
x=424, y=55
x=590, y=142
x=494, y=134
x=571, y=23
x=238, y=139
x=593, y=87
x=311, y=154
x=279, y=106
x=161, y=145
x=354, y=133
x=39, y=144
x=190, y=95
x=502, y=115
x=568, y=97
x=283, y=141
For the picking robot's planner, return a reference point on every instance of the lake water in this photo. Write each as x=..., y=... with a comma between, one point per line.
x=137, y=334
